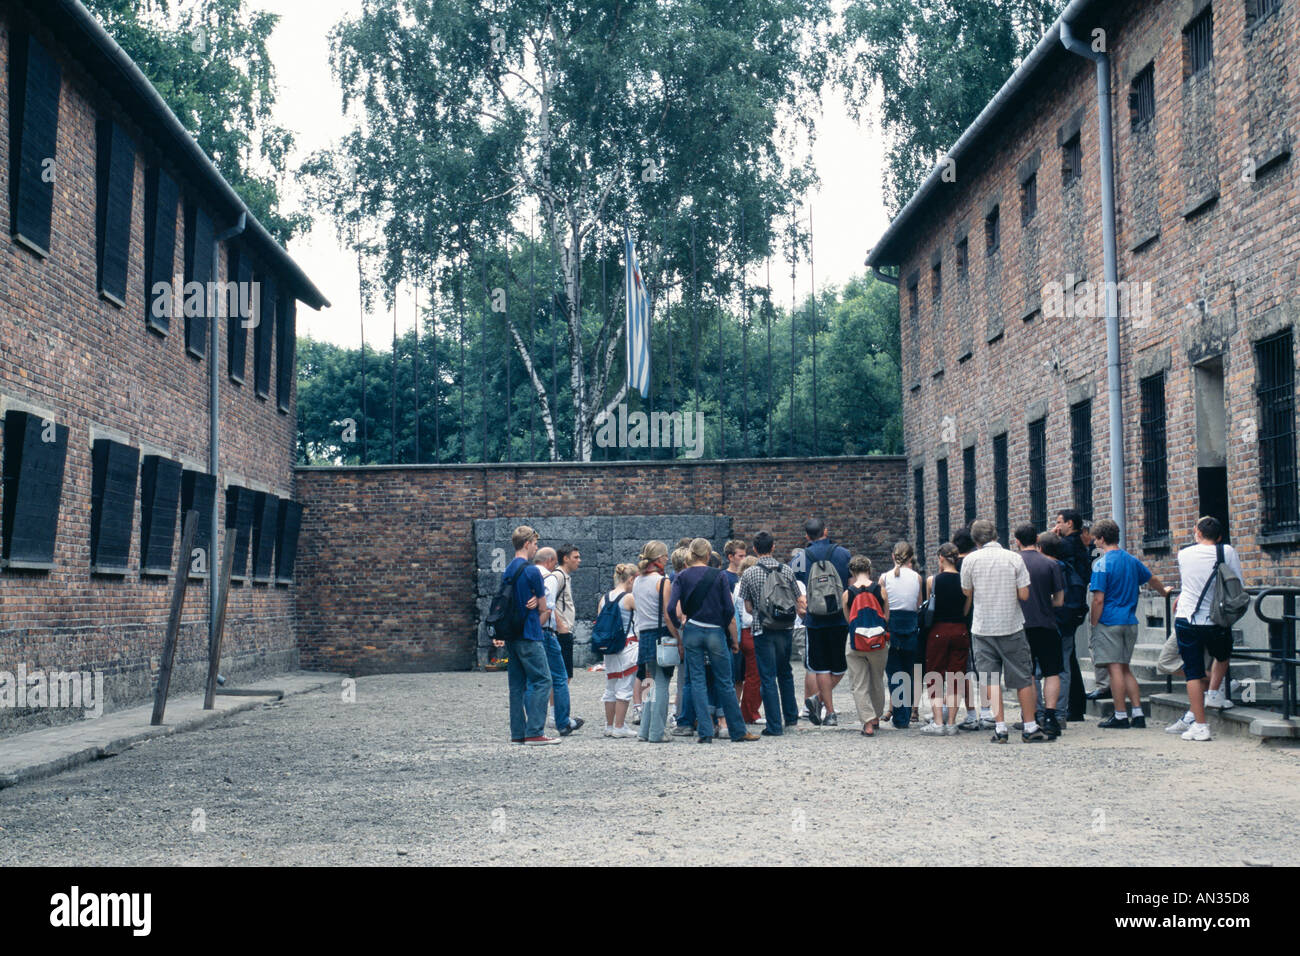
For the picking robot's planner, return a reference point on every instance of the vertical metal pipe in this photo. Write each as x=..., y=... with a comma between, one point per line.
x=1114, y=382
x=214, y=420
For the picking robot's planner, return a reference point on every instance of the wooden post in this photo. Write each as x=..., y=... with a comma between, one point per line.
x=179, y=584
x=214, y=646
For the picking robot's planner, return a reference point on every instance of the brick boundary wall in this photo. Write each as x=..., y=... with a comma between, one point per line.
x=386, y=560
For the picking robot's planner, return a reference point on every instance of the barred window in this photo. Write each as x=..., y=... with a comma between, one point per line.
x=918, y=489
x=1198, y=42
x=968, y=483
x=1001, y=499
x=963, y=257
x=1029, y=199
x=941, y=492
x=992, y=231
x=1038, y=473
x=1257, y=10
x=1072, y=161
x=936, y=280
x=1142, y=99
x=1275, y=361
x=1155, y=488
x=1081, y=457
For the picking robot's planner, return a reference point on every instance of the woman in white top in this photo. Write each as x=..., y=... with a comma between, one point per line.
x=903, y=590
x=744, y=666
x=650, y=591
x=620, y=668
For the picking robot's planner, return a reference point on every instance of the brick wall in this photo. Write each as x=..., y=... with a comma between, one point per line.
x=386, y=566
x=1222, y=276
x=89, y=364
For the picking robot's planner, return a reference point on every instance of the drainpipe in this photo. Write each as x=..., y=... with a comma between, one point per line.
x=214, y=575
x=1106, y=160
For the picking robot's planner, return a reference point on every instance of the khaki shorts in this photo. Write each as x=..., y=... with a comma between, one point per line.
x=1113, y=643
x=1005, y=654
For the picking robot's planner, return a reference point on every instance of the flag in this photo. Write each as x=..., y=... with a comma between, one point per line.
x=638, y=322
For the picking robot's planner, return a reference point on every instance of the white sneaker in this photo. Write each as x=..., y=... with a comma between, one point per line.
x=1217, y=698
x=624, y=731
x=609, y=730
x=1197, y=732
x=950, y=730
x=760, y=720
x=1178, y=727
x=932, y=729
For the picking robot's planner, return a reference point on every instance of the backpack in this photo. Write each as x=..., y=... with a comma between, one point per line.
x=1075, y=608
x=867, y=631
x=505, y=619
x=778, y=600
x=824, y=588
x=609, y=636
x=1231, y=600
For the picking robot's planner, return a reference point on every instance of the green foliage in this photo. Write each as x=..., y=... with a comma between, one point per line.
x=858, y=397
x=208, y=60
x=937, y=63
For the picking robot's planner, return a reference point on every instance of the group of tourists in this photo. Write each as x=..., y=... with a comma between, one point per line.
x=916, y=649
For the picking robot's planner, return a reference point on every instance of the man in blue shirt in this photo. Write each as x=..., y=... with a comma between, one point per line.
x=528, y=672
x=1117, y=577
x=827, y=629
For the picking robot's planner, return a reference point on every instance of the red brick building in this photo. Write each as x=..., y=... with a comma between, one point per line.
x=105, y=392
x=1000, y=254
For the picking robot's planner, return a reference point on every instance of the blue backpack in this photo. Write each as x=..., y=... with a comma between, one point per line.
x=609, y=636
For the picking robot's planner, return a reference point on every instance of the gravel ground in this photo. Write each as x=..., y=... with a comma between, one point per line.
x=419, y=770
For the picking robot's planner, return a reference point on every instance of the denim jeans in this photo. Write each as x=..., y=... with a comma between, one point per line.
x=529, y=676
x=899, y=666
x=655, y=719
x=772, y=649
x=559, y=679
x=697, y=641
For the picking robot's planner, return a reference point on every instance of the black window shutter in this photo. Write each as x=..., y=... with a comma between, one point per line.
x=198, y=268
x=35, y=80
x=160, y=491
x=34, y=454
x=114, y=196
x=262, y=335
x=161, y=198
x=241, y=273
x=199, y=493
x=288, y=522
x=112, y=505
x=286, y=350
x=265, y=510
x=239, y=518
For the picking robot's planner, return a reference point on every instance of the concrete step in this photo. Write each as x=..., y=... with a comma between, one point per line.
x=1241, y=720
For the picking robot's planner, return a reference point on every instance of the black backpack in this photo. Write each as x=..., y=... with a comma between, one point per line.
x=505, y=619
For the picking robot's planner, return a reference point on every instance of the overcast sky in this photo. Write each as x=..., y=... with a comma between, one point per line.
x=848, y=212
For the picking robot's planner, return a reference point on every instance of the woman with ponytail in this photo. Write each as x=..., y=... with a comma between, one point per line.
x=902, y=588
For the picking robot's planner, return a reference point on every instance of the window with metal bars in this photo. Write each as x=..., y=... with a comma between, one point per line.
x=913, y=302
x=1038, y=472
x=1257, y=10
x=963, y=257
x=936, y=280
x=968, y=483
x=918, y=491
x=1155, y=488
x=1275, y=386
x=1001, y=498
x=992, y=231
x=941, y=493
x=1081, y=457
x=1198, y=42
x=1029, y=199
x=1142, y=98
x=1072, y=161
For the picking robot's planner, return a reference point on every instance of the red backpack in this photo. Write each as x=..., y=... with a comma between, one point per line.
x=867, y=630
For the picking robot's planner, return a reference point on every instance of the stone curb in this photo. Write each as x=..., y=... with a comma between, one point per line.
x=125, y=741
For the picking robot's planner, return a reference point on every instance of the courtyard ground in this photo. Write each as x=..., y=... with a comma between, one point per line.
x=418, y=770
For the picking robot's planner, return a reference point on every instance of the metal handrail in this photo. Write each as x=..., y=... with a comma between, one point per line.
x=1283, y=627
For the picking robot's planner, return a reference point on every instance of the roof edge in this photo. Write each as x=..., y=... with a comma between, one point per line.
x=879, y=255
x=63, y=16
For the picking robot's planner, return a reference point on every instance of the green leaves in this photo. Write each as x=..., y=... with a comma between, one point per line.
x=208, y=60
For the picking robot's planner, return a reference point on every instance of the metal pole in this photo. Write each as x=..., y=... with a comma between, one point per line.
x=214, y=417
x=1114, y=383
x=812, y=271
x=415, y=287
